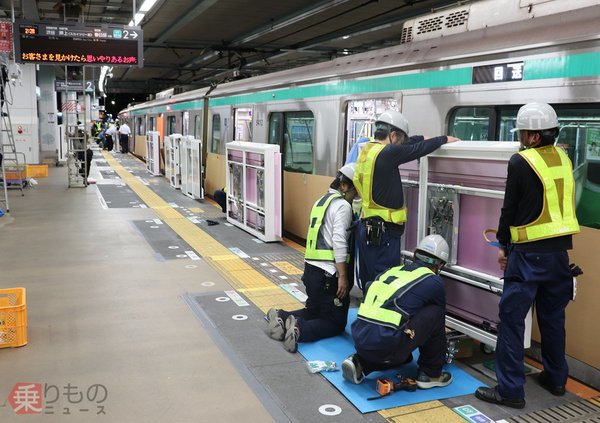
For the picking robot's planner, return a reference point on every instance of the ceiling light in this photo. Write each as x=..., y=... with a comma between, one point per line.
x=345, y=37
x=131, y=23
x=138, y=18
x=147, y=5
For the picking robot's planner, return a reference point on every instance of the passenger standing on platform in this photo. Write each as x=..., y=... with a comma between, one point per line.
x=110, y=134
x=535, y=230
x=404, y=309
x=124, y=133
x=325, y=270
x=377, y=180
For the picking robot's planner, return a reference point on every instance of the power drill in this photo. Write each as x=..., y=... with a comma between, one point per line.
x=386, y=386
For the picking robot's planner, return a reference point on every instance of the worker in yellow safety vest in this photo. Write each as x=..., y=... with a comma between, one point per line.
x=377, y=180
x=325, y=270
x=535, y=231
x=404, y=309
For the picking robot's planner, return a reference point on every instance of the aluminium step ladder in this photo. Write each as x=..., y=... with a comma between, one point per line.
x=12, y=163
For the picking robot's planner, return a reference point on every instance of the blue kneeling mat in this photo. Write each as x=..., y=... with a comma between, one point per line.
x=340, y=347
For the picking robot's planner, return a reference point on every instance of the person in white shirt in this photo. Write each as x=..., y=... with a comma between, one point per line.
x=124, y=133
x=325, y=270
x=110, y=134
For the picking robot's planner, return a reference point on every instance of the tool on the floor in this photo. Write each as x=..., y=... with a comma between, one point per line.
x=386, y=386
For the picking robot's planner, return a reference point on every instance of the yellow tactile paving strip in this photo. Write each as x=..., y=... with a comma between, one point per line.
x=258, y=289
x=425, y=412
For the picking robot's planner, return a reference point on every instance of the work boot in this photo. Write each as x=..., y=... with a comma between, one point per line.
x=275, y=329
x=492, y=395
x=292, y=333
x=544, y=380
x=427, y=382
x=352, y=370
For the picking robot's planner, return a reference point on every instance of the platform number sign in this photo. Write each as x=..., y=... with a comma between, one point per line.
x=502, y=72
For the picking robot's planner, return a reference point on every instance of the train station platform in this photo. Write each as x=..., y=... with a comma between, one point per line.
x=147, y=306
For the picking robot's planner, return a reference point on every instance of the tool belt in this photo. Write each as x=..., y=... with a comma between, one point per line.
x=375, y=227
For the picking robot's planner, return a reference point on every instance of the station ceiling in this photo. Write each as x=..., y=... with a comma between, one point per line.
x=196, y=43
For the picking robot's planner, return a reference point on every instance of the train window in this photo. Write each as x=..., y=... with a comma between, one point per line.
x=294, y=132
x=185, y=125
x=198, y=127
x=151, y=126
x=243, y=124
x=171, y=125
x=215, y=145
x=140, y=126
x=471, y=123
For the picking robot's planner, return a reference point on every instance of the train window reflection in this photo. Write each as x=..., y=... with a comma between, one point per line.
x=471, y=123
x=197, y=126
x=171, y=125
x=294, y=132
x=215, y=144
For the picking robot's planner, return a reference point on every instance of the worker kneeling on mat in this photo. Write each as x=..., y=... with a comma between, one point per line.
x=404, y=309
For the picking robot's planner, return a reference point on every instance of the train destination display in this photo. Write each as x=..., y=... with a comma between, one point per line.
x=78, y=44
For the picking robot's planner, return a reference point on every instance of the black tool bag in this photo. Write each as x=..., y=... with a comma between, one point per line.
x=375, y=228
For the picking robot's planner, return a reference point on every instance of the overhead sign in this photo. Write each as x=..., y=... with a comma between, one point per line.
x=78, y=44
x=87, y=86
x=498, y=73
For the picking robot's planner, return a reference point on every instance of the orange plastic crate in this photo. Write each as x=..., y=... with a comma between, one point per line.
x=13, y=318
x=37, y=171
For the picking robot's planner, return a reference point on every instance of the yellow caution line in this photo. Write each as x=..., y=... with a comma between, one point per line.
x=263, y=293
x=236, y=271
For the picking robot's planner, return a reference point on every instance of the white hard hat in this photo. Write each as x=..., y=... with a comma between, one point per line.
x=536, y=117
x=394, y=118
x=348, y=170
x=434, y=246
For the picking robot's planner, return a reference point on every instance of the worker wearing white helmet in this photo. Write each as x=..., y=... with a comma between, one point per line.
x=325, y=270
x=392, y=323
x=535, y=231
x=379, y=185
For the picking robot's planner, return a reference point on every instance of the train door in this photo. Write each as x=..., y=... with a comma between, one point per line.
x=242, y=124
x=360, y=123
x=294, y=133
x=139, y=136
x=215, y=149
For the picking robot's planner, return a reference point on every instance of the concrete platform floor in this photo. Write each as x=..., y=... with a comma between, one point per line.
x=102, y=310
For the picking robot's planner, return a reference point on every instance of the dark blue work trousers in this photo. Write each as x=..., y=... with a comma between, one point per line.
x=429, y=336
x=321, y=317
x=543, y=278
x=373, y=260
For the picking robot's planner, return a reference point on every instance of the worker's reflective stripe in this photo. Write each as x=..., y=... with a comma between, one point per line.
x=383, y=289
x=557, y=218
x=316, y=247
x=363, y=182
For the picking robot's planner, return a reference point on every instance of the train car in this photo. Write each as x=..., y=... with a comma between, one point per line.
x=463, y=71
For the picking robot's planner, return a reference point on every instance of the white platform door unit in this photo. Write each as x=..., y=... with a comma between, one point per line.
x=191, y=167
x=253, y=180
x=173, y=156
x=153, y=152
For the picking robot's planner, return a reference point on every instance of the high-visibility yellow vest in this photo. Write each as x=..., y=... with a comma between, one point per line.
x=363, y=182
x=553, y=167
x=316, y=247
x=383, y=289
